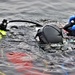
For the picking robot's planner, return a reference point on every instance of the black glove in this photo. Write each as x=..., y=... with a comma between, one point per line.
x=3, y=25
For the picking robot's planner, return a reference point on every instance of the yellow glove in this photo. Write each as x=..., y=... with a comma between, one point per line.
x=2, y=33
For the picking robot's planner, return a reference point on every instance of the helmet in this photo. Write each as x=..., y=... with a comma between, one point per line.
x=72, y=19
x=73, y=27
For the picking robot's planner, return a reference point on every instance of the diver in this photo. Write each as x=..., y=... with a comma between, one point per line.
x=70, y=27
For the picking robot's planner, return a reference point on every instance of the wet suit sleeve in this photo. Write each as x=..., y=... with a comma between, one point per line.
x=67, y=27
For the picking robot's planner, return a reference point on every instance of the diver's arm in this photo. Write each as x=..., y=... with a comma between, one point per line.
x=66, y=27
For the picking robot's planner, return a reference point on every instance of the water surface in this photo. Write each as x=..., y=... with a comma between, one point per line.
x=20, y=54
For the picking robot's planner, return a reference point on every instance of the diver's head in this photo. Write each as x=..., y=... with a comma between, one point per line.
x=72, y=19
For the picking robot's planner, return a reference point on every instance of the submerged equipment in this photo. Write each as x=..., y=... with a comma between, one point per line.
x=50, y=37
x=3, y=26
x=50, y=34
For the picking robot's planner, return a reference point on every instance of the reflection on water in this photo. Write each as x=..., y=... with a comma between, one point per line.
x=20, y=54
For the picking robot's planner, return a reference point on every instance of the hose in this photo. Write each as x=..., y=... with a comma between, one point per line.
x=38, y=25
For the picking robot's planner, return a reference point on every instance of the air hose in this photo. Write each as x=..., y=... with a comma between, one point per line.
x=38, y=25
x=4, y=24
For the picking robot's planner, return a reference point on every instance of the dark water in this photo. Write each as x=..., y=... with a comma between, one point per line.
x=21, y=41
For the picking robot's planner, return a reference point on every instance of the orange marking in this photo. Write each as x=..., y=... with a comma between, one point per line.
x=21, y=64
